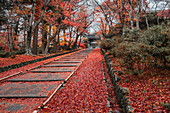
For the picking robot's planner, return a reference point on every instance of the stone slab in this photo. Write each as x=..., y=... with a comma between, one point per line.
x=66, y=62
x=62, y=59
x=60, y=65
x=36, y=77
x=73, y=58
x=26, y=89
x=53, y=70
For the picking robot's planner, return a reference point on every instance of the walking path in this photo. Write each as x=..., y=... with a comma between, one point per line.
x=85, y=91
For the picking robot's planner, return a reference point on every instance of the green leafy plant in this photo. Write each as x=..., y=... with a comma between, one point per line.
x=108, y=44
x=158, y=38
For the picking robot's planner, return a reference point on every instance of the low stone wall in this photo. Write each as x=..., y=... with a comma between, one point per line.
x=120, y=92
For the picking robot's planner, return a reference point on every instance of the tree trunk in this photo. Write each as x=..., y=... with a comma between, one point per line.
x=54, y=45
x=147, y=23
x=79, y=42
x=71, y=29
x=29, y=35
x=54, y=40
x=58, y=41
x=28, y=46
x=137, y=23
x=16, y=27
x=75, y=43
x=44, y=37
x=47, y=46
x=48, y=42
x=25, y=33
x=64, y=35
x=138, y=14
x=35, y=40
x=158, y=20
x=10, y=39
x=130, y=15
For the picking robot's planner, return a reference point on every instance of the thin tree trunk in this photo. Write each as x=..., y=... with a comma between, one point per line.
x=58, y=41
x=75, y=43
x=44, y=37
x=48, y=42
x=54, y=40
x=131, y=21
x=130, y=15
x=11, y=40
x=28, y=46
x=64, y=35
x=79, y=42
x=47, y=46
x=35, y=40
x=16, y=27
x=138, y=14
x=70, y=37
x=158, y=20
x=25, y=33
x=147, y=23
x=54, y=45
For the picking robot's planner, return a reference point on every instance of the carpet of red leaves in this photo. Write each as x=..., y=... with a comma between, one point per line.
x=147, y=91
x=21, y=58
x=84, y=92
x=24, y=68
x=28, y=104
x=18, y=59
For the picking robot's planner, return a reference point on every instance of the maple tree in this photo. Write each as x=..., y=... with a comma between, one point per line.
x=52, y=17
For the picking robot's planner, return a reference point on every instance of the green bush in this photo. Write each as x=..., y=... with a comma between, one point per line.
x=134, y=56
x=141, y=49
x=86, y=45
x=158, y=37
x=19, y=52
x=4, y=54
x=132, y=35
x=108, y=44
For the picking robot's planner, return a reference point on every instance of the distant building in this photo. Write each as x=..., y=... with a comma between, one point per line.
x=92, y=40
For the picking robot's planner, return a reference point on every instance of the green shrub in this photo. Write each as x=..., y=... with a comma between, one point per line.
x=19, y=52
x=134, y=56
x=132, y=35
x=4, y=54
x=108, y=44
x=158, y=37
x=141, y=50
x=86, y=45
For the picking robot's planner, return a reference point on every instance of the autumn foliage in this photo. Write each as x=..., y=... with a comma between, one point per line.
x=42, y=24
x=139, y=47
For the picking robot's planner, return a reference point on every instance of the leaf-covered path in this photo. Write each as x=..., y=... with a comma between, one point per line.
x=85, y=91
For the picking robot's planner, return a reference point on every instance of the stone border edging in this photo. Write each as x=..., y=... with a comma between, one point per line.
x=7, y=68
x=120, y=92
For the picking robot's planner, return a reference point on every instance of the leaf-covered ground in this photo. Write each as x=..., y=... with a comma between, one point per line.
x=85, y=91
x=20, y=58
x=150, y=91
x=26, y=67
